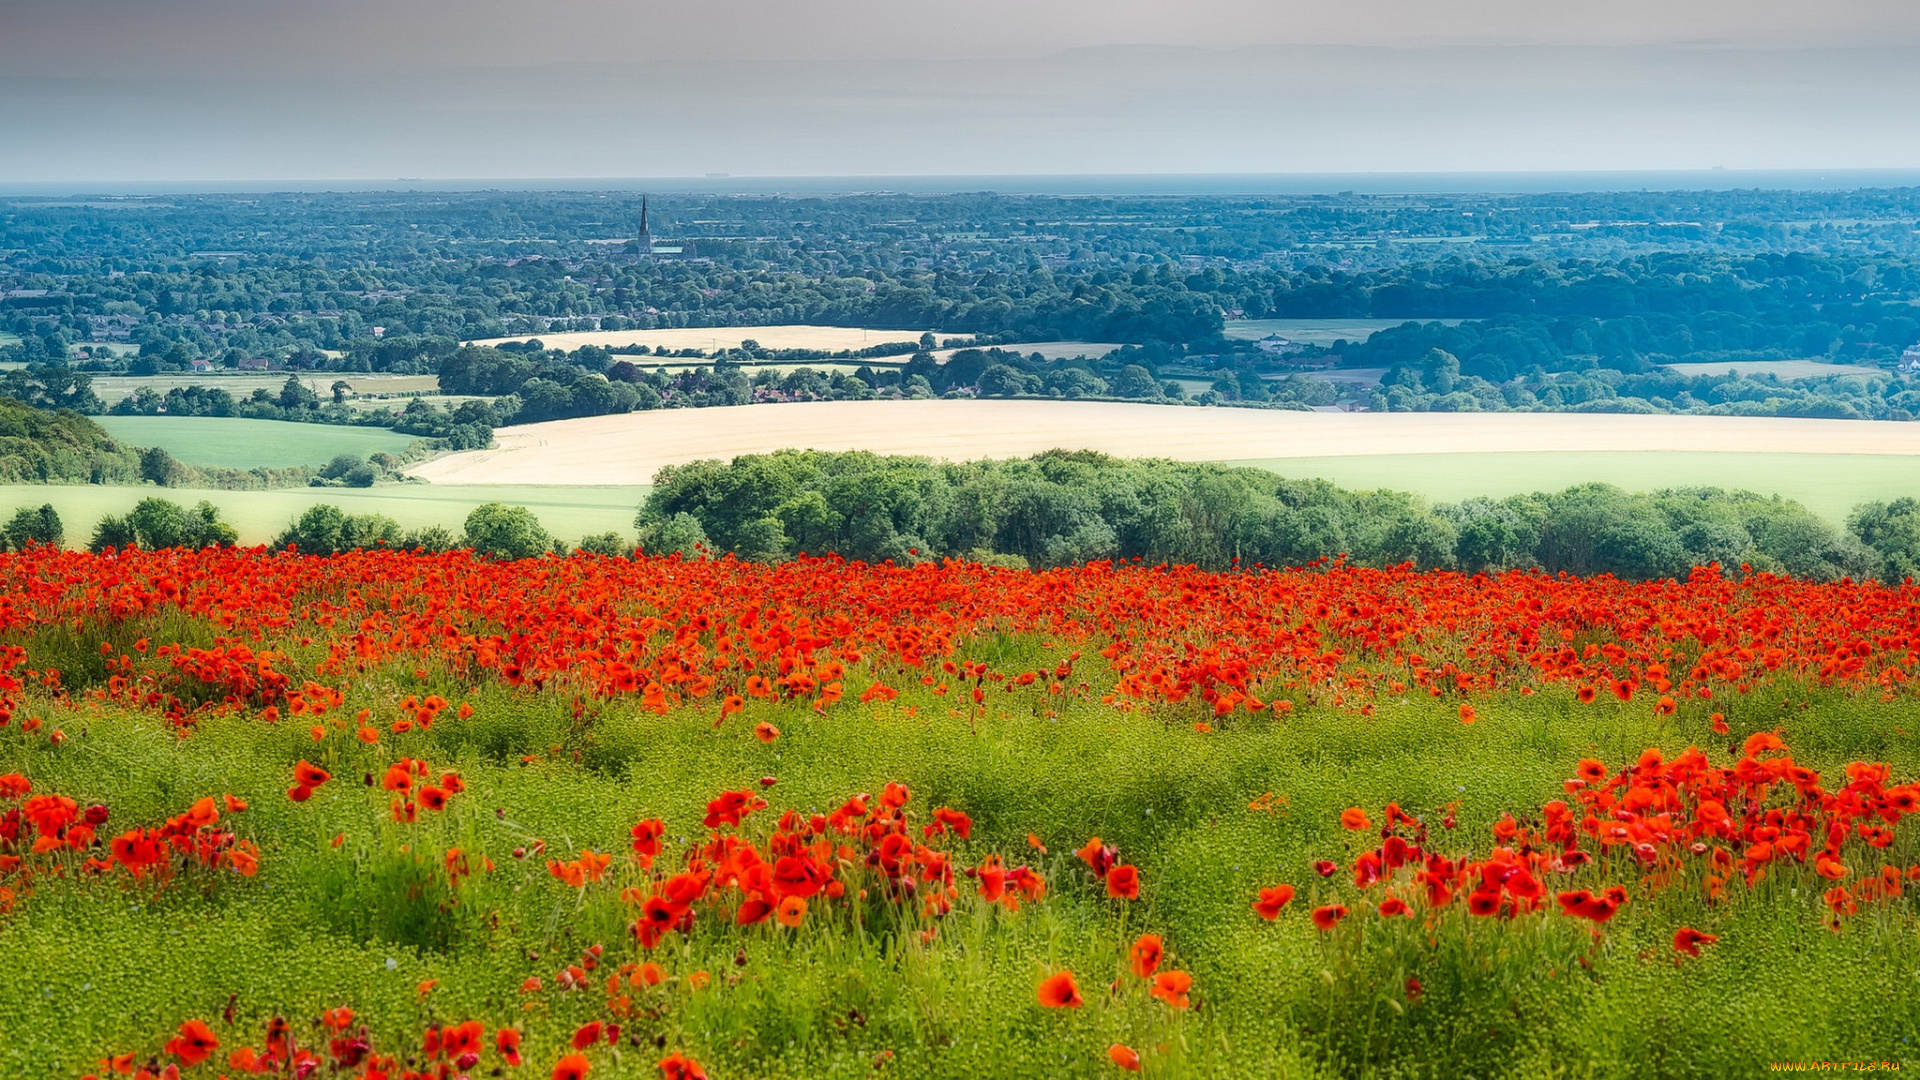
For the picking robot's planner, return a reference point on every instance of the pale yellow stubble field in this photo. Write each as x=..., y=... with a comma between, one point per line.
x=629, y=449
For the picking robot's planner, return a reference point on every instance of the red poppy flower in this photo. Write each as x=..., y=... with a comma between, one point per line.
x=1392, y=906
x=677, y=1066
x=433, y=798
x=571, y=1067
x=1058, y=991
x=1272, y=899
x=194, y=1044
x=1355, y=818
x=507, y=1042
x=1144, y=956
x=1124, y=1057
x=586, y=1035
x=1123, y=883
x=1328, y=916
x=791, y=912
x=1171, y=987
x=1688, y=940
x=646, y=840
x=1098, y=857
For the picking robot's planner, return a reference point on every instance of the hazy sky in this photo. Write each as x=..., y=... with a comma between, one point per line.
x=133, y=90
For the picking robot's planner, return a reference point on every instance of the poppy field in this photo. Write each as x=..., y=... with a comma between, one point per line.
x=387, y=815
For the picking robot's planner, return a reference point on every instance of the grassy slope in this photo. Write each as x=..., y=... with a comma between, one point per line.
x=1270, y=999
x=1828, y=484
x=222, y=442
x=568, y=512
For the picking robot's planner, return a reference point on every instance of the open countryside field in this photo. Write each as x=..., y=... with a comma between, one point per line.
x=828, y=338
x=112, y=388
x=1830, y=485
x=1318, y=331
x=231, y=443
x=628, y=450
x=259, y=516
x=1785, y=370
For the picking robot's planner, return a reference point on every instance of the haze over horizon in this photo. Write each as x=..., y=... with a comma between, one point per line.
x=252, y=91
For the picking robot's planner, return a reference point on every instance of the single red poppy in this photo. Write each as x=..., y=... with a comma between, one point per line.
x=1144, y=956
x=1171, y=987
x=1058, y=991
x=1272, y=899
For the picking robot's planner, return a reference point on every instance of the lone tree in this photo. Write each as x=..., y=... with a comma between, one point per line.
x=499, y=531
x=30, y=527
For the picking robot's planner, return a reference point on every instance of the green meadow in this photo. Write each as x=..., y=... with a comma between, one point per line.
x=1828, y=484
x=230, y=443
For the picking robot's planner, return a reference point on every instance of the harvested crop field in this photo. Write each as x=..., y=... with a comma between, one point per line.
x=629, y=449
x=828, y=338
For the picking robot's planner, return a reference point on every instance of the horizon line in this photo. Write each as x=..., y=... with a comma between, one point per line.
x=1369, y=182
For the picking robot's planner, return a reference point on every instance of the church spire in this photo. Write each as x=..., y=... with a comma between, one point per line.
x=646, y=237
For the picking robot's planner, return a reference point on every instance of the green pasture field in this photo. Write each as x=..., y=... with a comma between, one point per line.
x=259, y=516
x=1828, y=484
x=1317, y=331
x=8, y=337
x=229, y=443
x=112, y=388
x=96, y=967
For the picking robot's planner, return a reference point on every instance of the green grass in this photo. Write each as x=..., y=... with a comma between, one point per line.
x=567, y=512
x=94, y=967
x=8, y=337
x=1828, y=484
x=227, y=443
x=1317, y=331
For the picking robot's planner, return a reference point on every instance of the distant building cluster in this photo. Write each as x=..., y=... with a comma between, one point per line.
x=1910, y=360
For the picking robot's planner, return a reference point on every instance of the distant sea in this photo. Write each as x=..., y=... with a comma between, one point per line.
x=1133, y=184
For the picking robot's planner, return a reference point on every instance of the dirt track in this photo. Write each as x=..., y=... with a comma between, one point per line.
x=629, y=449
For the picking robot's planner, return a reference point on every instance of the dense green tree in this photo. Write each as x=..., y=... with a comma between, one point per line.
x=498, y=531
x=30, y=526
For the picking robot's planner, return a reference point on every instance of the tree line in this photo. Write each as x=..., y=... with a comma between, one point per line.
x=1070, y=507
x=1066, y=508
